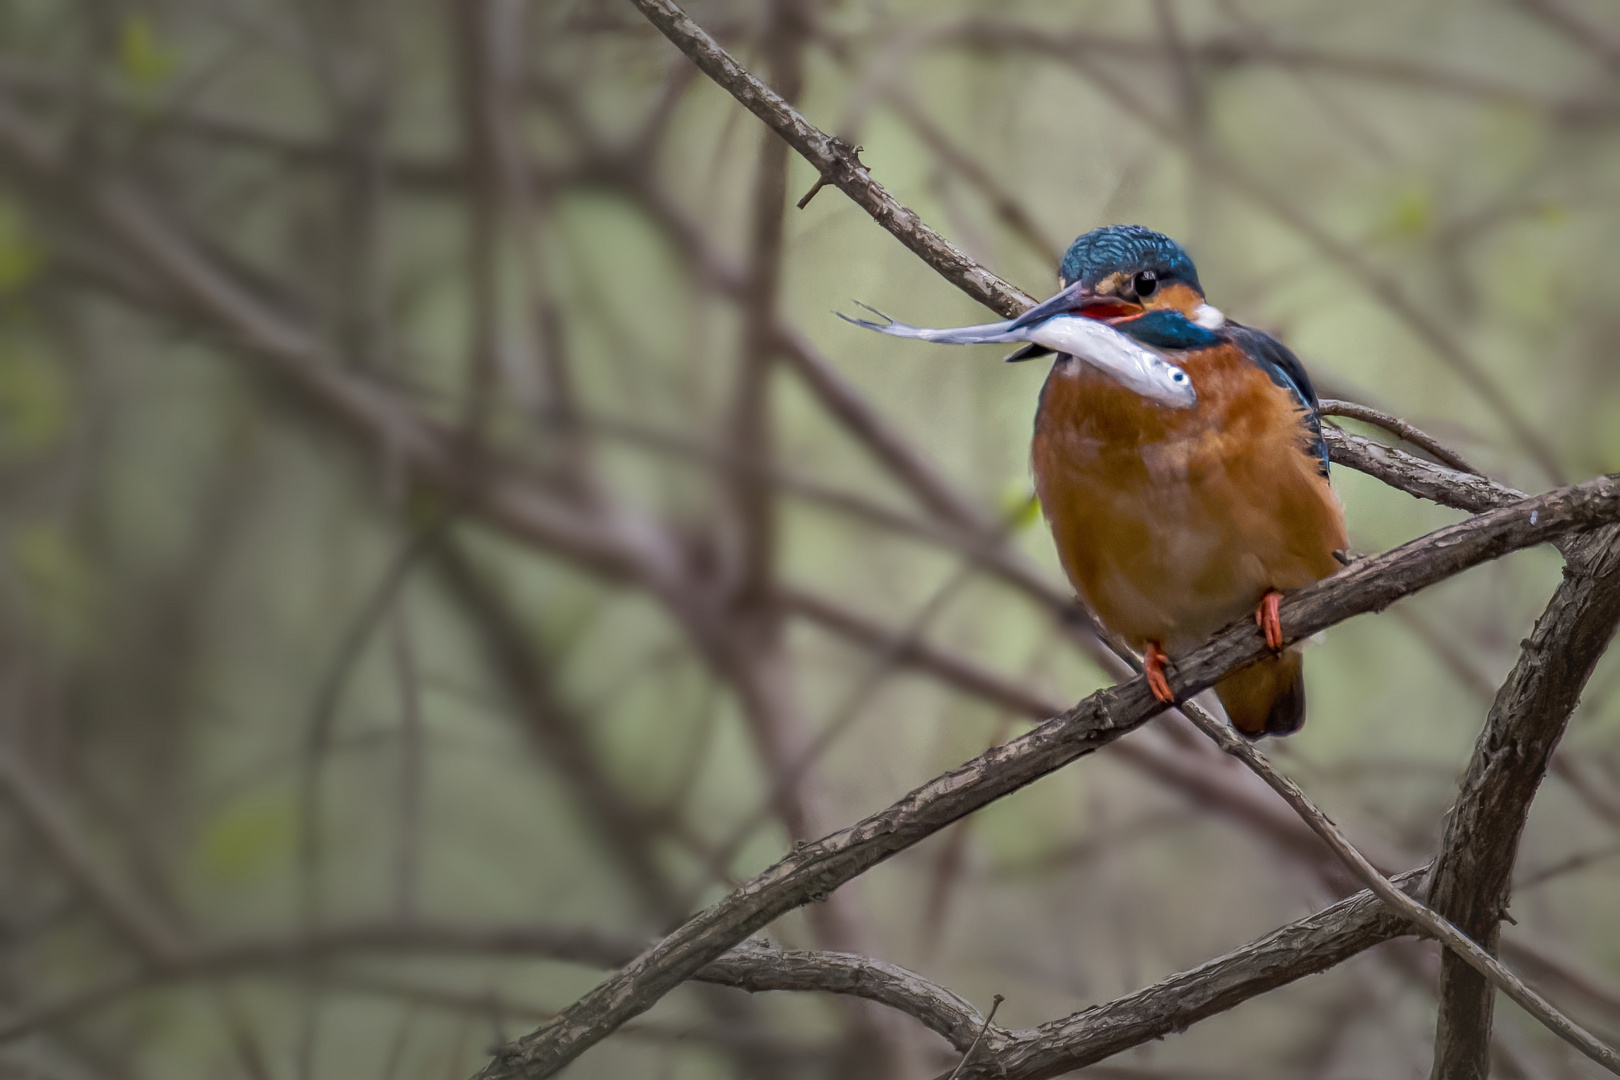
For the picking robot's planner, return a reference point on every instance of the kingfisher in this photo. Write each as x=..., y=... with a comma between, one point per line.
x=1177, y=507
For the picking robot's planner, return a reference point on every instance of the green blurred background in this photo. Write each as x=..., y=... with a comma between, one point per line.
x=276, y=665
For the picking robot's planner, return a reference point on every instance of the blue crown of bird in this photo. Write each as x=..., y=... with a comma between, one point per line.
x=1178, y=458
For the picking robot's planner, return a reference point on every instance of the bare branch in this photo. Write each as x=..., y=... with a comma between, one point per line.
x=1578, y=28
x=977, y=1039
x=1302, y=948
x=835, y=159
x=1002, y=202
x=1197, y=776
x=1246, y=49
x=1418, y=478
x=1473, y=875
x=153, y=940
x=1457, y=943
x=618, y=823
x=1439, y=337
x=1400, y=429
x=613, y=543
x=816, y=869
x=756, y=967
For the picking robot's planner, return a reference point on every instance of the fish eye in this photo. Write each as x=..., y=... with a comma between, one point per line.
x=1145, y=283
x=1180, y=376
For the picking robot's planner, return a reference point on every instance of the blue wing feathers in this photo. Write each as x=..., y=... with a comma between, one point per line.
x=1275, y=359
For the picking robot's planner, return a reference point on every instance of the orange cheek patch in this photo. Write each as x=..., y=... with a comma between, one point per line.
x=1177, y=295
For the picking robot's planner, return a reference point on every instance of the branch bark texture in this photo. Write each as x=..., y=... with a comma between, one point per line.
x=837, y=161
x=1473, y=876
x=814, y=870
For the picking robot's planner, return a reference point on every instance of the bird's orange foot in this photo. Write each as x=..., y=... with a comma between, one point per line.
x=1153, y=667
x=1270, y=620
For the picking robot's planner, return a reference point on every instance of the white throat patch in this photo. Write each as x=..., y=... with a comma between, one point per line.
x=1209, y=317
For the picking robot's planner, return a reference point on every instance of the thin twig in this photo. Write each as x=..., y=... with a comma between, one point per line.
x=1418, y=478
x=1579, y=861
x=1287, y=954
x=1473, y=875
x=157, y=943
x=1458, y=943
x=1400, y=429
x=1235, y=49
x=408, y=841
x=1439, y=337
x=834, y=159
x=995, y=1003
x=816, y=869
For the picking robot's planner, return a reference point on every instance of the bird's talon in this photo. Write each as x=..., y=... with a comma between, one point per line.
x=1153, y=661
x=1268, y=617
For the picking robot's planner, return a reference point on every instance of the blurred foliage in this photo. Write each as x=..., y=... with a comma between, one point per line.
x=254, y=655
x=145, y=61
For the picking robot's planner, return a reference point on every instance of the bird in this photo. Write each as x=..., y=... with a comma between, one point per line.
x=1181, y=497
x=1174, y=523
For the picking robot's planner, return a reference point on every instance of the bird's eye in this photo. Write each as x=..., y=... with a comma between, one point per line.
x=1144, y=284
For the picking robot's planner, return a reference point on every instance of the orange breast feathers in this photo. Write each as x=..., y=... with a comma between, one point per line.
x=1173, y=523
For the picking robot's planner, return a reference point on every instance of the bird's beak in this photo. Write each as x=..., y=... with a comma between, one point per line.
x=1074, y=300
x=1077, y=300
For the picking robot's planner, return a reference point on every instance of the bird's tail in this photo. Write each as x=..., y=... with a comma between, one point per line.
x=1266, y=698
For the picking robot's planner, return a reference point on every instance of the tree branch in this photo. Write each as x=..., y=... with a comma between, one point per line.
x=1418, y=478
x=814, y=870
x=1473, y=875
x=835, y=159
x=615, y=544
x=1292, y=952
x=1400, y=429
x=989, y=34
x=855, y=415
x=1301, y=948
x=1458, y=945
x=1198, y=777
x=141, y=927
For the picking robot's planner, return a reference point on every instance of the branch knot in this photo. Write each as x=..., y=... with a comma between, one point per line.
x=843, y=160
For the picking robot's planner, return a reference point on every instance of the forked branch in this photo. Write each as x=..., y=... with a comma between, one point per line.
x=814, y=870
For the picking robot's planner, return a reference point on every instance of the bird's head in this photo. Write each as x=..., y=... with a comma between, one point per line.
x=1122, y=271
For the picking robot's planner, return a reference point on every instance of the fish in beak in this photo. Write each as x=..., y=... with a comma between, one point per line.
x=1067, y=323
